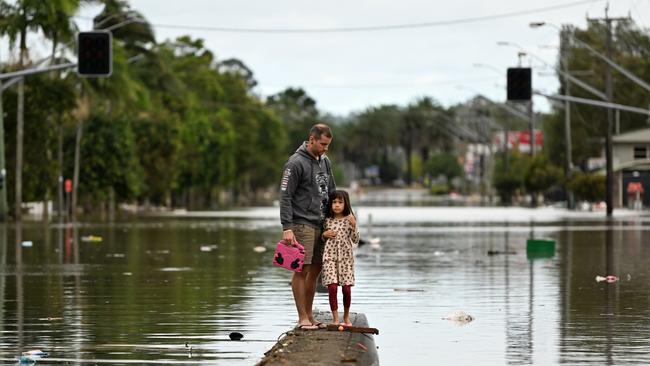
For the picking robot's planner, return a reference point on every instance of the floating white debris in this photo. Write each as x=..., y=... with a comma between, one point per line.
x=32, y=356
x=459, y=317
x=609, y=279
x=27, y=244
x=259, y=249
x=175, y=269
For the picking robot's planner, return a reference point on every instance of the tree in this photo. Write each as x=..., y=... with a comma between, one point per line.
x=631, y=49
x=444, y=164
x=507, y=183
x=541, y=175
x=588, y=187
x=298, y=111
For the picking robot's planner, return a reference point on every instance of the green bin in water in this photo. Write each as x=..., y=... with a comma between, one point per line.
x=540, y=248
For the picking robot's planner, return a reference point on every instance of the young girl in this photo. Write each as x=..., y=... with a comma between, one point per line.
x=341, y=234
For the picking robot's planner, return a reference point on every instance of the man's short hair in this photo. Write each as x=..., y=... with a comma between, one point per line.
x=320, y=129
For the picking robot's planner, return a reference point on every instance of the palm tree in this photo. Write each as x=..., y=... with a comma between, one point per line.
x=16, y=20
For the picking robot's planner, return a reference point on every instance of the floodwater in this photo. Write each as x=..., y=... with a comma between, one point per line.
x=153, y=288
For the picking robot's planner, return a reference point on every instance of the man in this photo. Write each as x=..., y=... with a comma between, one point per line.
x=307, y=180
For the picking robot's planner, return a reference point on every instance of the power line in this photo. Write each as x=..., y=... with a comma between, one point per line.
x=382, y=85
x=374, y=28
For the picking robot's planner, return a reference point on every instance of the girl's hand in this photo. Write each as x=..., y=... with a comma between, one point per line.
x=352, y=219
x=329, y=234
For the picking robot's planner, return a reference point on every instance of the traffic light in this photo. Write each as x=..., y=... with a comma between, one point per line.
x=94, y=53
x=520, y=86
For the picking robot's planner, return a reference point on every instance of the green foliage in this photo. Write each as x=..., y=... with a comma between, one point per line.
x=55, y=98
x=439, y=189
x=541, y=175
x=507, y=182
x=588, y=187
x=109, y=160
x=298, y=112
x=158, y=149
x=631, y=49
x=444, y=164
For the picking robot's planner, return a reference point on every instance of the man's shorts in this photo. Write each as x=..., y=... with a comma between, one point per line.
x=310, y=238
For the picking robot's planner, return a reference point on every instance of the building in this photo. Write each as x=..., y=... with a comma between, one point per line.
x=631, y=160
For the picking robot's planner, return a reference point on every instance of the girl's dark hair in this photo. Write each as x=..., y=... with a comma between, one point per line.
x=342, y=195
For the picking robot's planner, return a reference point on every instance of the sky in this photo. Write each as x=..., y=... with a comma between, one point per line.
x=346, y=72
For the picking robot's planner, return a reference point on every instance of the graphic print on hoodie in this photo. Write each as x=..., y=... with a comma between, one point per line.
x=304, y=189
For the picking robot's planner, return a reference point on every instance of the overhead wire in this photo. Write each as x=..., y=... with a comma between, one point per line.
x=378, y=27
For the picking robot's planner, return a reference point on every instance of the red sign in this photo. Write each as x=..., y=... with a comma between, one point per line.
x=519, y=139
x=68, y=186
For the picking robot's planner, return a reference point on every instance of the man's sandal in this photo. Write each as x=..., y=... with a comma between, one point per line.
x=306, y=327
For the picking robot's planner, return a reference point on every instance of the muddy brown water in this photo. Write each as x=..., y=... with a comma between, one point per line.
x=154, y=287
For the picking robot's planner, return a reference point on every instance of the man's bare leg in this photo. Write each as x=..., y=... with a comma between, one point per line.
x=310, y=291
x=299, y=287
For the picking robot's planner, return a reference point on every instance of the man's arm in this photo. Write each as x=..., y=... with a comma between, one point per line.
x=288, y=187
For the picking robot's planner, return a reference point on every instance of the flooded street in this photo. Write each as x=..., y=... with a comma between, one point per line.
x=146, y=291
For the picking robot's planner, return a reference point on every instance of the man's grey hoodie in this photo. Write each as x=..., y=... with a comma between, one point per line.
x=305, y=188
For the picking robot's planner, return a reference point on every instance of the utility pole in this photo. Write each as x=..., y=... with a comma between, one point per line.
x=531, y=114
x=609, y=91
x=3, y=170
x=568, y=166
x=19, y=149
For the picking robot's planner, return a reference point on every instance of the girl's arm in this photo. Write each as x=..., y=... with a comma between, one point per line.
x=327, y=232
x=354, y=233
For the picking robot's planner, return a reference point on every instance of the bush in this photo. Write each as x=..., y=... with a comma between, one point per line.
x=588, y=187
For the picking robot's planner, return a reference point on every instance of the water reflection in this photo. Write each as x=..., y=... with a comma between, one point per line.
x=152, y=286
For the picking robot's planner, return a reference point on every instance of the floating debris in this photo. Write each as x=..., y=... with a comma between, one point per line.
x=175, y=269
x=50, y=319
x=32, y=356
x=235, y=336
x=498, y=252
x=374, y=243
x=609, y=279
x=208, y=248
x=92, y=239
x=27, y=244
x=459, y=317
x=259, y=249
x=408, y=289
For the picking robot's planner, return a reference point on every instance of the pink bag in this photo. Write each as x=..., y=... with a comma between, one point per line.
x=289, y=257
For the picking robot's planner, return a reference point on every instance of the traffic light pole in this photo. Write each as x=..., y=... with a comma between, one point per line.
x=531, y=115
x=15, y=74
